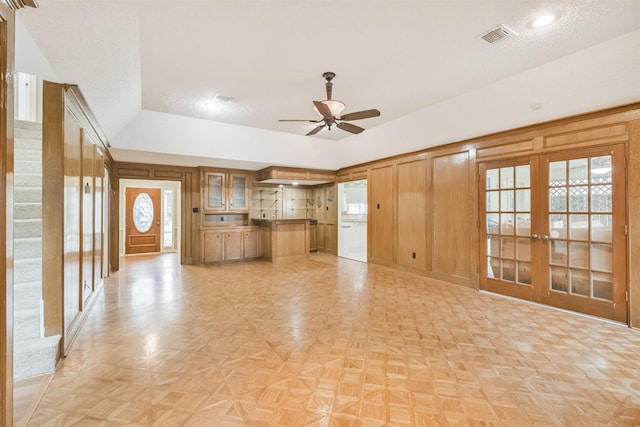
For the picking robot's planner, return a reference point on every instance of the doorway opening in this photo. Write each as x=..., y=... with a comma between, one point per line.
x=149, y=217
x=352, y=221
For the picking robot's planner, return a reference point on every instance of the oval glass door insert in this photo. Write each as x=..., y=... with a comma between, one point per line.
x=143, y=212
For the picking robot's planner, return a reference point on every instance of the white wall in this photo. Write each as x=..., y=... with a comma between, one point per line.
x=185, y=136
x=29, y=57
x=602, y=76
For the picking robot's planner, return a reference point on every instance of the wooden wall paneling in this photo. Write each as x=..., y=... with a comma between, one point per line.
x=411, y=214
x=381, y=218
x=72, y=226
x=633, y=221
x=452, y=212
x=98, y=227
x=53, y=203
x=7, y=30
x=87, y=225
x=190, y=220
x=114, y=210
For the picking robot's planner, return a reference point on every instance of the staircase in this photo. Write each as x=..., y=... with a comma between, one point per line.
x=34, y=354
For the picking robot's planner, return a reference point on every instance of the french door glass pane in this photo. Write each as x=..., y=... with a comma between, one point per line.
x=558, y=252
x=493, y=179
x=603, y=286
x=523, y=224
x=601, y=170
x=579, y=227
x=579, y=254
x=523, y=177
x=506, y=177
x=602, y=257
x=601, y=228
x=493, y=201
x=506, y=201
x=580, y=282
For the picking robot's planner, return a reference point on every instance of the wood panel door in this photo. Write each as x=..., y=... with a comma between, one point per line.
x=554, y=227
x=380, y=198
x=143, y=220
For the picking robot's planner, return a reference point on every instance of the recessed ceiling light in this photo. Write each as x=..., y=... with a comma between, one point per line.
x=542, y=21
x=226, y=99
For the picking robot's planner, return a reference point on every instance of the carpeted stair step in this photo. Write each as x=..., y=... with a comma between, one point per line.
x=27, y=195
x=27, y=295
x=26, y=324
x=27, y=270
x=35, y=357
x=27, y=228
x=27, y=210
x=30, y=247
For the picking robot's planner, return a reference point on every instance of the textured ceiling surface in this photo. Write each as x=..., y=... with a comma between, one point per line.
x=269, y=55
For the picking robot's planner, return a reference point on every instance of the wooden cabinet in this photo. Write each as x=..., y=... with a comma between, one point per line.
x=228, y=244
x=232, y=245
x=313, y=237
x=251, y=243
x=225, y=192
x=212, y=242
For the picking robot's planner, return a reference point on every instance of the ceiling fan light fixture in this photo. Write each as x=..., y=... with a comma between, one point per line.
x=336, y=107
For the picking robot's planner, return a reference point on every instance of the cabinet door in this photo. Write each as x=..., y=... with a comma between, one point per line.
x=238, y=192
x=214, y=191
x=250, y=244
x=331, y=239
x=320, y=235
x=313, y=237
x=232, y=245
x=212, y=246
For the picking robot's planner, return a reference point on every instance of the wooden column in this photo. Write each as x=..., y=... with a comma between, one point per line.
x=53, y=204
x=633, y=194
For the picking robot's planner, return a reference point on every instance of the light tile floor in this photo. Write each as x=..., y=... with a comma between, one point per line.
x=326, y=341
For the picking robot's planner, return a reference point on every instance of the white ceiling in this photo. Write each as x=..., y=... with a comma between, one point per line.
x=173, y=57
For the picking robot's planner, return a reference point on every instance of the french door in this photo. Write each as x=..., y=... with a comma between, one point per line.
x=554, y=227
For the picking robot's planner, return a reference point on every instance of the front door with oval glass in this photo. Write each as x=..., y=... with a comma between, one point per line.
x=143, y=220
x=554, y=227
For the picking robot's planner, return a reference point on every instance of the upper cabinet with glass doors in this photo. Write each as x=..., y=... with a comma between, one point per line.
x=225, y=192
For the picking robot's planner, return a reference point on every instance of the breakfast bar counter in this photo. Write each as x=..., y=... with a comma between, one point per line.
x=283, y=238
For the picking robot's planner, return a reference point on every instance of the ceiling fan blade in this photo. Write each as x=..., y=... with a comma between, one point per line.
x=350, y=128
x=322, y=109
x=366, y=114
x=300, y=120
x=315, y=130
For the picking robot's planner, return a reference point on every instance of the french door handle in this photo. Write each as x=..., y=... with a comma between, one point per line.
x=535, y=236
x=545, y=238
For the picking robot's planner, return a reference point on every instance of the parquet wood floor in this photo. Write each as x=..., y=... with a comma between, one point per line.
x=326, y=341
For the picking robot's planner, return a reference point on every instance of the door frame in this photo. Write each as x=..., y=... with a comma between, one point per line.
x=7, y=55
x=178, y=218
x=540, y=224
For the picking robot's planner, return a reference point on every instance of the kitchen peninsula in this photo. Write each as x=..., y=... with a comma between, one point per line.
x=283, y=238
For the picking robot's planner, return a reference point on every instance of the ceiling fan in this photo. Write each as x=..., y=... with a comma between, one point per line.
x=330, y=110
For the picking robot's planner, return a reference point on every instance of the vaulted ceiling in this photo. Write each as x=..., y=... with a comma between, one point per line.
x=157, y=73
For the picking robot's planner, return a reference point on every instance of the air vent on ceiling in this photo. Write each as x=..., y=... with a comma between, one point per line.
x=500, y=33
